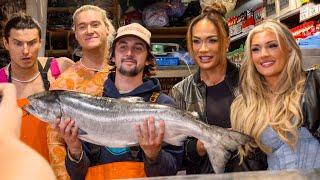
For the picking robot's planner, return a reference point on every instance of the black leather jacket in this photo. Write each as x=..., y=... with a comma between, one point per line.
x=190, y=94
x=310, y=102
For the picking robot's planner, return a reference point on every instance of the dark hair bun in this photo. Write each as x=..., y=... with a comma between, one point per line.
x=214, y=8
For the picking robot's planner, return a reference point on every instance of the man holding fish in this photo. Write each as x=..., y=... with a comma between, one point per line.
x=133, y=65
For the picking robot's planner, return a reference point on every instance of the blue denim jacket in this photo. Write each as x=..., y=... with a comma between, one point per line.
x=306, y=154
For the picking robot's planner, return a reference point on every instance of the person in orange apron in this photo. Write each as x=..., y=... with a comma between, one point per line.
x=30, y=74
x=94, y=32
x=133, y=65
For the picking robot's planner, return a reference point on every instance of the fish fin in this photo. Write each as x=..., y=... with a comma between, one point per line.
x=218, y=157
x=132, y=99
x=81, y=132
x=220, y=148
x=176, y=140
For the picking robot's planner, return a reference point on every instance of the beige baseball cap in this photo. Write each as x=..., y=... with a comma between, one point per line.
x=134, y=29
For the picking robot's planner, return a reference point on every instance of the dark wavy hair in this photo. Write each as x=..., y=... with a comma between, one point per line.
x=21, y=21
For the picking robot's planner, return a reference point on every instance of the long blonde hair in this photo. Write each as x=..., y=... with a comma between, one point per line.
x=251, y=111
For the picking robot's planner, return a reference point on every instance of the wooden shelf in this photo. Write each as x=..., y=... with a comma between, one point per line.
x=168, y=32
x=175, y=71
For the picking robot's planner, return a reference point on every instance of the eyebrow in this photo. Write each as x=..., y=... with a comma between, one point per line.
x=140, y=43
x=125, y=42
x=212, y=36
x=272, y=41
x=23, y=41
x=206, y=37
x=83, y=23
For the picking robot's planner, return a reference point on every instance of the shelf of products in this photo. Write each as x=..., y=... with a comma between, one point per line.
x=168, y=32
x=303, y=21
x=282, y=17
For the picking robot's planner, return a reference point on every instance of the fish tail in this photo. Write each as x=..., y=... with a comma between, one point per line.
x=220, y=148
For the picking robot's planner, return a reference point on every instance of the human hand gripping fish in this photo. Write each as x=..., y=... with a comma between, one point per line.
x=113, y=123
x=150, y=138
x=69, y=132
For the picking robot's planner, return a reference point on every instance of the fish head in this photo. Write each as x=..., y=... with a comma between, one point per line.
x=45, y=106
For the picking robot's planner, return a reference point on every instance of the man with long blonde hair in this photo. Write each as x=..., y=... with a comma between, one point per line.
x=94, y=32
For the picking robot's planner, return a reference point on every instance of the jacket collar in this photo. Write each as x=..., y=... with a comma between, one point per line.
x=149, y=85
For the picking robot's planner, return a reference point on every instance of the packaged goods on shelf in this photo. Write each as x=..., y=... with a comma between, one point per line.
x=271, y=8
x=259, y=15
x=304, y=30
x=285, y=6
x=167, y=61
x=236, y=56
x=248, y=23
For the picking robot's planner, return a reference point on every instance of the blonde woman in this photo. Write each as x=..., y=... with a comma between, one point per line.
x=279, y=103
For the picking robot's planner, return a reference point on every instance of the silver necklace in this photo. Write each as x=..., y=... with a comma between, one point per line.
x=25, y=81
x=92, y=69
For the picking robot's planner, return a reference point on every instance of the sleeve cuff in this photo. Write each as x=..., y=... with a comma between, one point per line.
x=191, y=150
x=150, y=162
x=73, y=159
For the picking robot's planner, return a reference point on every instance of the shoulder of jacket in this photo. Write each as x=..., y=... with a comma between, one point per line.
x=185, y=82
x=313, y=67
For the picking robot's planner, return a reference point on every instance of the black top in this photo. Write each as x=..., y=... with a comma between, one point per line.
x=219, y=99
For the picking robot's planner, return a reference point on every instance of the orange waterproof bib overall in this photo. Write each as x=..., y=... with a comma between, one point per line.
x=33, y=132
x=116, y=170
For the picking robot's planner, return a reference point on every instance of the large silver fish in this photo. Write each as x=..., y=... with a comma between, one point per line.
x=110, y=122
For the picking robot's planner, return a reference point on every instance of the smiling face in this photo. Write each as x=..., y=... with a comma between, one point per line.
x=90, y=30
x=130, y=56
x=23, y=46
x=205, y=45
x=268, y=56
